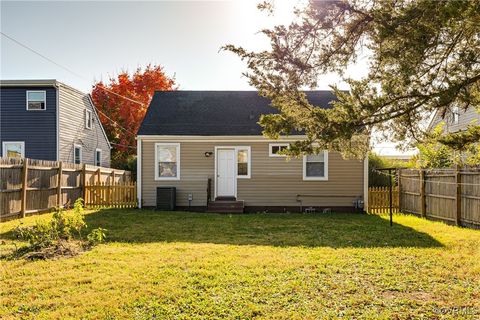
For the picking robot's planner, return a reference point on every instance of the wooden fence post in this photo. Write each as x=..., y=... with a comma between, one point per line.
x=99, y=178
x=458, y=196
x=83, y=182
x=59, y=185
x=423, y=200
x=24, y=186
x=112, y=177
x=399, y=187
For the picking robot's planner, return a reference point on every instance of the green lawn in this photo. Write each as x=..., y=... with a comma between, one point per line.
x=180, y=265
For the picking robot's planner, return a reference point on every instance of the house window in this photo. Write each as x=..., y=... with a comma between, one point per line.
x=243, y=162
x=13, y=149
x=455, y=115
x=275, y=149
x=77, y=154
x=36, y=100
x=88, y=119
x=167, y=161
x=98, y=157
x=315, y=167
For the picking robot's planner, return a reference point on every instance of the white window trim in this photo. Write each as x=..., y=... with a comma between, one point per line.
x=274, y=155
x=4, y=147
x=88, y=114
x=75, y=146
x=44, y=99
x=157, y=177
x=101, y=153
x=324, y=178
x=249, y=161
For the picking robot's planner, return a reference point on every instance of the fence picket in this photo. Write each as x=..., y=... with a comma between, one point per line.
x=379, y=202
x=116, y=195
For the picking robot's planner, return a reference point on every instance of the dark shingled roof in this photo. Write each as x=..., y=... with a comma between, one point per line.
x=213, y=113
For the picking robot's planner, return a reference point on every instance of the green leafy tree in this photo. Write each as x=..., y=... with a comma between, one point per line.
x=432, y=154
x=440, y=151
x=423, y=56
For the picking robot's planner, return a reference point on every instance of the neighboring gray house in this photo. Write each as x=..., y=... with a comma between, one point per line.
x=48, y=120
x=456, y=120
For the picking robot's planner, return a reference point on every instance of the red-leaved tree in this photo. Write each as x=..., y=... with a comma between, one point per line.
x=122, y=103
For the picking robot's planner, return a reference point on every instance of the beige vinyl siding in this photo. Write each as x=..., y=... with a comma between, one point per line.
x=465, y=118
x=72, y=128
x=274, y=181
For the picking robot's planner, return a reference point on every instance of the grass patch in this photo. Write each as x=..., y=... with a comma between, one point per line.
x=275, y=266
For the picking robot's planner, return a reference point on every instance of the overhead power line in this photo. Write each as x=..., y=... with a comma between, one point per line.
x=65, y=68
x=77, y=75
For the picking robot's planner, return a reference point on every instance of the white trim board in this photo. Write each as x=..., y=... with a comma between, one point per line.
x=139, y=173
x=218, y=138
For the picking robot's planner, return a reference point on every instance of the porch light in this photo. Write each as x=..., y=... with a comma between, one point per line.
x=208, y=154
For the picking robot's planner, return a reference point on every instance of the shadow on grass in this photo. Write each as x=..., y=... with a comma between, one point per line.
x=334, y=230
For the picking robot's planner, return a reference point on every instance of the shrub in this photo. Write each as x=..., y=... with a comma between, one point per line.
x=59, y=236
x=97, y=236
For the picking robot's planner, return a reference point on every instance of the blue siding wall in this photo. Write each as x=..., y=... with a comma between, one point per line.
x=36, y=128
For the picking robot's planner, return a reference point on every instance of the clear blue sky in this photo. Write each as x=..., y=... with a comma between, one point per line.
x=98, y=39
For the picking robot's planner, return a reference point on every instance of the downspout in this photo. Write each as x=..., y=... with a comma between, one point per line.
x=365, y=183
x=139, y=172
x=57, y=90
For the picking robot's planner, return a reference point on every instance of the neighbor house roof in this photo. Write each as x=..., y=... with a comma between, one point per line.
x=213, y=113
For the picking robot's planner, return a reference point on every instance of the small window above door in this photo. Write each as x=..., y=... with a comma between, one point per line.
x=276, y=148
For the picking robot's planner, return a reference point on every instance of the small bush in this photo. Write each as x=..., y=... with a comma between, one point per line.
x=97, y=236
x=62, y=235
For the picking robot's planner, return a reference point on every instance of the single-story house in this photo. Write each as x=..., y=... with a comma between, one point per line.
x=209, y=146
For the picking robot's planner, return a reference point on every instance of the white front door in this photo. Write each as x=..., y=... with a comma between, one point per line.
x=226, y=173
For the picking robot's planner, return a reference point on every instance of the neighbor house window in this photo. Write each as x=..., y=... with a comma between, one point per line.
x=275, y=149
x=36, y=100
x=243, y=162
x=455, y=115
x=13, y=149
x=98, y=157
x=167, y=161
x=77, y=154
x=88, y=119
x=315, y=167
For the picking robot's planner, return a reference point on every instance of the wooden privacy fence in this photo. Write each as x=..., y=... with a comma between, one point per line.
x=30, y=186
x=117, y=195
x=450, y=195
x=379, y=200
